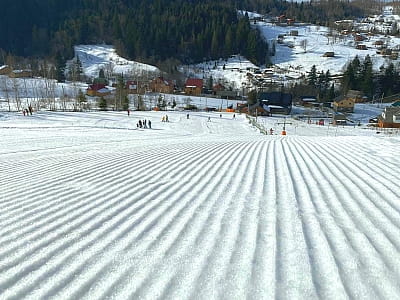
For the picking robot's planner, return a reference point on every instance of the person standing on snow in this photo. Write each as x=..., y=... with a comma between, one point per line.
x=149, y=122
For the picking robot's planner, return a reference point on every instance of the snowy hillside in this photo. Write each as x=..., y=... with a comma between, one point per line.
x=96, y=57
x=299, y=59
x=91, y=207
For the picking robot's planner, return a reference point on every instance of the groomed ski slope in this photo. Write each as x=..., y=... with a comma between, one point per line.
x=93, y=208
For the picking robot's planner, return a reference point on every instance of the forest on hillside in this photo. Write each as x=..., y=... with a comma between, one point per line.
x=151, y=31
x=178, y=31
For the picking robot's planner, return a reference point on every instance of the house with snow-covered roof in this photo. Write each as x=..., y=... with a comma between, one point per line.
x=275, y=102
x=98, y=89
x=20, y=73
x=5, y=69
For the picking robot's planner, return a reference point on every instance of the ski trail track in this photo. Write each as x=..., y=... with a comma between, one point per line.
x=248, y=218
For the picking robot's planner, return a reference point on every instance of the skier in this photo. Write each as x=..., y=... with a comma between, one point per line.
x=129, y=112
x=233, y=115
x=149, y=122
x=187, y=116
x=30, y=109
x=209, y=119
x=140, y=123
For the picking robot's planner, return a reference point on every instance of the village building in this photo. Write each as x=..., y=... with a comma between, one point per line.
x=355, y=95
x=20, y=74
x=272, y=103
x=5, y=70
x=343, y=104
x=339, y=119
x=193, y=86
x=98, y=90
x=162, y=85
x=309, y=101
x=136, y=86
x=390, y=117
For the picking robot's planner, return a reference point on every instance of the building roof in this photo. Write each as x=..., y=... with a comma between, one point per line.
x=275, y=98
x=96, y=86
x=194, y=82
x=396, y=103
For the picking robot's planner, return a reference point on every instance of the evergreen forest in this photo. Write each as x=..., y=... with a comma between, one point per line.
x=181, y=31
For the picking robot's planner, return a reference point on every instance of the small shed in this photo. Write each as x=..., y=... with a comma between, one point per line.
x=329, y=54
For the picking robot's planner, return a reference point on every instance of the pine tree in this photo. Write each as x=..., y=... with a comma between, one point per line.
x=102, y=104
x=312, y=77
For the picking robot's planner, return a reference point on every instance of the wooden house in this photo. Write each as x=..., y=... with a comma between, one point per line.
x=162, y=85
x=98, y=89
x=5, y=70
x=20, y=74
x=357, y=96
x=343, y=104
x=193, y=86
x=390, y=117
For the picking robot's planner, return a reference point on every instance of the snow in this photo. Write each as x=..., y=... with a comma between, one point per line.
x=93, y=207
x=96, y=57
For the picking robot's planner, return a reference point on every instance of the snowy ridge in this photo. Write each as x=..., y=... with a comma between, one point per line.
x=213, y=211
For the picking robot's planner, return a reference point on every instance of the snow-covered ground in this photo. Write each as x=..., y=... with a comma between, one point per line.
x=96, y=57
x=93, y=207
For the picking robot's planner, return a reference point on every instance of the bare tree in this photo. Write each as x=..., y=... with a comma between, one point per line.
x=304, y=44
x=4, y=86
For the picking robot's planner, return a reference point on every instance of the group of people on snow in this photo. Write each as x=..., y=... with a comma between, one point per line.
x=143, y=124
x=28, y=111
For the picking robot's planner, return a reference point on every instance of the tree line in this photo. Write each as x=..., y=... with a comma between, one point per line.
x=150, y=31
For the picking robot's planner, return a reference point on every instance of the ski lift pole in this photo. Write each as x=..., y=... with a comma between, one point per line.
x=284, y=126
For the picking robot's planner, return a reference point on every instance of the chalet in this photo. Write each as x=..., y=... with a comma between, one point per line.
x=343, y=104
x=357, y=96
x=98, y=89
x=4, y=70
x=379, y=43
x=162, y=85
x=396, y=103
x=193, y=86
x=294, y=32
x=274, y=103
x=390, y=117
x=20, y=74
x=361, y=47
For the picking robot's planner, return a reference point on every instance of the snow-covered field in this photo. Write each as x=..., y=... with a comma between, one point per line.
x=92, y=207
